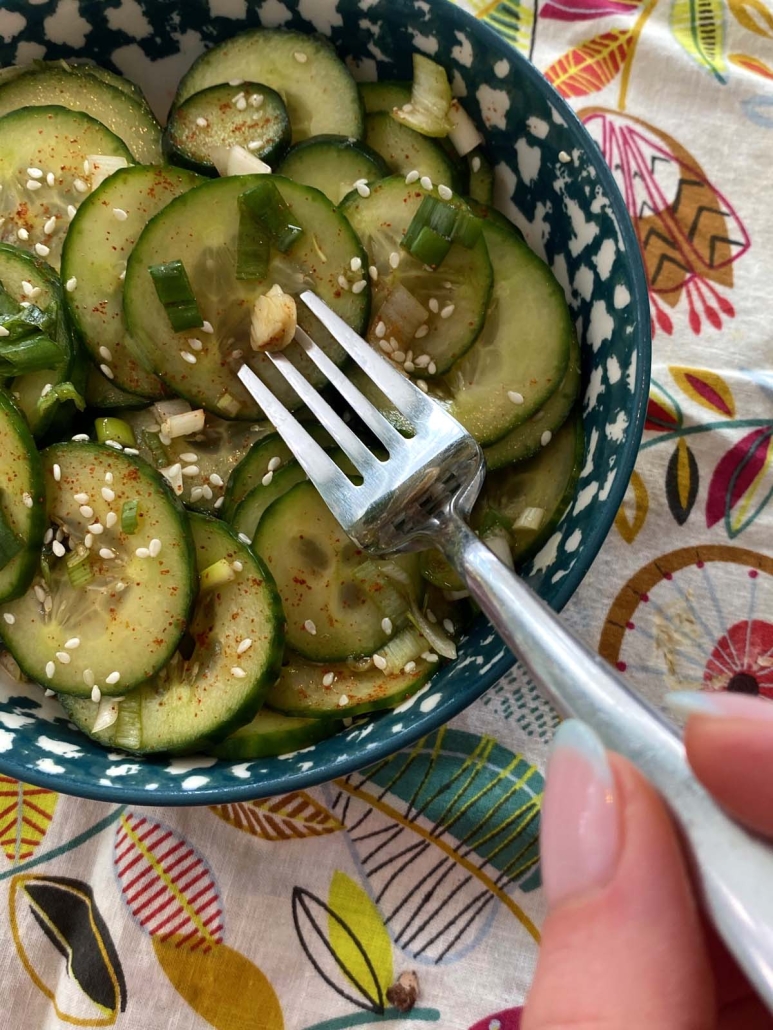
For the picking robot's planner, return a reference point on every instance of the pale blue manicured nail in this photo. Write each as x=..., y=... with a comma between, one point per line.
x=575, y=735
x=720, y=704
x=691, y=702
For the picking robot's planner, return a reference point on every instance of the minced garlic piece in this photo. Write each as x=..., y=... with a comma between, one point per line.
x=274, y=319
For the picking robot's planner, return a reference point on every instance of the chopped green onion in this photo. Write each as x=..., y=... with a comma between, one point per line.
x=253, y=245
x=467, y=228
x=419, y=220
x=265, y=204
x=428, y=110
x=216, y=575
x=58, y=395
x=28, y=353
x=10, y=545
x=453, y=222
x=404, y=647
x=128, y=728
x=390, y=600
x=115, y=429
x=430, y=247
x=175, y=292
x=129, y=517
x=442, y=218
x=79, y=570
x=151, y=442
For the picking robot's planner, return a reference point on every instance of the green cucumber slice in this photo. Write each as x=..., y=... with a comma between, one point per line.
x=94, y=256
x=463, y=281
x=130, y=616
x=103, y=395
x=249, y=115
x=384, y=95
x=405, y=150
x=322, y=254
x=330, y=615
x=315, y=84
x=194, y=702
x=481, y=173
x=128, y=118
x=522, y=353
x=333, y=164
x=526, y=439
x=56, y=143
x=22, y=498
x=271, y=733
x=246, y=518
x=84, y=66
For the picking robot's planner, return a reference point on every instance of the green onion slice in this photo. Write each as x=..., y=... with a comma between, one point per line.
x=129, y=517
x=115, y=429
x=253, y=245
x=265, y=204
x=79, y=570
x=175, y=292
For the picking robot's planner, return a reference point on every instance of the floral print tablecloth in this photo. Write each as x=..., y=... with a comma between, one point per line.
x=300, y=912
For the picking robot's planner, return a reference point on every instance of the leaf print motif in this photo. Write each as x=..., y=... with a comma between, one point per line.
x=590, y=66
x=682, y=481
x=663, y=411
x=584, y=10
x=25, y=816
x=513, y=19
x=312, y=919
x=705, y=388
x=353, y=909
x=445, y=834
x=222, y=986
x=166, y=885
x=289, y=817
x=509, y=1019
x=699, y=28
x=753, y=65
x=741, y=484
x=630, y=525
x=754, y=15
x=66, y=948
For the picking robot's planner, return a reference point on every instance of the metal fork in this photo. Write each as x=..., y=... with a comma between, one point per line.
x=419, y=497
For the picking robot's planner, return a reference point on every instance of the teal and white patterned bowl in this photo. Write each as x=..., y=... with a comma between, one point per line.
x=571, y=214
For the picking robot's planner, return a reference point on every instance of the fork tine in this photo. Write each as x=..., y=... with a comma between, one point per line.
x=315, y=462
x=398, y=388
x=368, y=412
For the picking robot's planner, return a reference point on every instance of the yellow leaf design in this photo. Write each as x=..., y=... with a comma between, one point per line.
x=705, y=388
x=289, y=817
x=629, y=528
x=590, y=66
x=25, y=816
x=355, y=911
x=699, y=28
x=754, y=15
x=753, y=65
x=222, y=986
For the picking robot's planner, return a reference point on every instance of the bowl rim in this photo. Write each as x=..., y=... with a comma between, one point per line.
x=359, y=757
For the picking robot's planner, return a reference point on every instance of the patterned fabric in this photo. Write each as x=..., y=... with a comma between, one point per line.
x=301, y=911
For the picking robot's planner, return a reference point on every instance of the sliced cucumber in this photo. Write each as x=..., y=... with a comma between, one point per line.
x=330, y=614
x=271, y=733
x=249, y=512
x=84, y=66
x=128, y=118
x=55, y=143
x=481, y=186
x=130, y=612
x=315, y=84
x=526, y=439
x=462, y=283
x=307, y=688
x=333, y=164
x=384, y=95
x=249, y=115
x=200, y=229
x=522, y=353
x=405, y=150
x=197, y=700
x=103, y=395
x=98, y=244
x=22, y=501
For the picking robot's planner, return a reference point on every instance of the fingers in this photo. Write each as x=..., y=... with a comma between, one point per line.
x=729, y=742
x=622, y=944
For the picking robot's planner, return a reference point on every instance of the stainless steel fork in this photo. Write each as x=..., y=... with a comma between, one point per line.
x=419, y=497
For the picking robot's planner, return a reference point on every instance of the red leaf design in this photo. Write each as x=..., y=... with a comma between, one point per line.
x=166, y=885
x=735, y=473
x=584, y=10
x=590, y=66
x=509, y=1019
x=658, y=419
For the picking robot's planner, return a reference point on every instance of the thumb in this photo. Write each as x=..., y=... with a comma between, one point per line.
x=622, y=943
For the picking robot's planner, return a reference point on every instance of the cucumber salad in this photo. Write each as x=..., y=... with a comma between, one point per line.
x=166, y=569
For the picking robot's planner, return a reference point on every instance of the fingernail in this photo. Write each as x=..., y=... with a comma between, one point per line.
x=720, y=703
x=580, y=830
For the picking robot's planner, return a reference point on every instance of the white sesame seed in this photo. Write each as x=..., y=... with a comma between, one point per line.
x=110, y=519
x=71, y=283
x=10, y=619
x=310, y=627
x=49, y=536
x=398, y=356
x=244, y=645
x=426, y=182
x=86, y=166
x=72, y=643
x=235, y=82
x=373, y=273
x=256, y=99
x=120, y=214
x=327, y=679
x=343, y=282
x=142, y=552
x=88, y=540
x=189, y=456
x=27, y=288
x=448, y=626
x=219, y=502
x=106, y=353
x=50, y=179
x=50, y=669
x=96, y=694
x=106, y=370
x=207, y=327
x=27, y=500
x=429, y=656
x=50, y=225
x=274, y=463
x=238, y=672
x=431, y=615
x=35, y=173
x=33, y=185
x=411, y=177
x=187, y=356
x=80, y=186
x=196, y=494
x=58, y=549
x=386, y=346
x=96, y=528
x=515, y=397
x=49, y=693
x=202, y=122
x=476, y=163
x=122, y=276
x=108, y=494
x=108, y=477
x=380, y=330
x=422, y=385
x=22, y=234
x=394, y=259
x=57, y=470
x=71, y=211
x=266, y=480
x=86, y=511
x=81, y=498
x=359, y=286
x=434, y=306
x=444, y=192
x=237, y=566
x=241, y=104
x=343, y=701
x=155, y=547
x=63, y=657
x=195, y=344
x=216, y=480
x=421, y=331
x=379, y=661
x=191, y=470
x=254, y=144
x=301, y=58
x=106, y=553
x=113, y=677
x=355, y=264
x=447, y=311
x=39, y=593
x=386, y=625
x=120, y=587
x=408, y=365
x=546, y=437
x=363, y=189
x=563, y=157
x=409, y=667
x=243, y=538
x=88, y=677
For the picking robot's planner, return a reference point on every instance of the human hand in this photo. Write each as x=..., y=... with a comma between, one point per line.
x=625, y=946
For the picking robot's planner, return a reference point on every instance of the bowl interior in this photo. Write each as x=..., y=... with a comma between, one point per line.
x=571, y=214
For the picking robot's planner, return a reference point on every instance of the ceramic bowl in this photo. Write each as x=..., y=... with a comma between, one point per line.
x=570, y=213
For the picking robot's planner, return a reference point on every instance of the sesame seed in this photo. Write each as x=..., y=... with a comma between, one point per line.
x=108, y=494
x=431, y=368
x=195, y=344
x=476, y=163
x=379, y=661
x=80, y=185
x=72, y=643
x=155, y=547
x=63, y=657
x=343, y=282
x=120, y=214
x=421, y=332
x=394, y=259
x=300, y=57
x=108, y=477
x=81, y=498
x=122, y=276
x=22, y=234
x=110, y=519
x=142, y=552
x=88, y=677
x=49, y=536
x=39, y=593
x=50, y=669
x=256, y=99
x=237, y=566
x=71, y=211
x=238, y=672
x=411, y=177
x=409, y=667
x=546, y=437
x=274, y=463
x=408, y=365
x=187, y=356
x=422, y=385
x=429, y=656
x=50, y=180
x=431, y=615
x=96, y=694
x=515, y=397
x=106, y=370
x=380, y=330
x=386, y=625
x=113, y=677
x=191, y=470
x=202, y=122
x=219, y=502
x=88, y=540
x=327, y=679
x=266, y=480
x=96, y=528
x=57, y=470
x=50, y=225
x=189, y=456
x=120, y=587
x=408, y=108
x=343, y=701
x=355, y=264
x=71, y=283
x=444, y=192
x=27, y=288
x=398, y=356
x=106, y=553
x=310, y=627
x=362, y=188
x=27, y=500
x=243, y=538
x=235, y=82
x=35, y=173
x=373, y=273
x=434, y=306
x=359, y=286
x=426, y=182
x=10, y=619
x=386, y=346
x=207, y=327
x=86, y=511
x=241, y=104
x=563, y=157
x=216, y=480
x=196, y=494
x=447, y=311
x=58, y=549
x=448, y=626
x=49, y=693
x=33, y=185
x=244, y=645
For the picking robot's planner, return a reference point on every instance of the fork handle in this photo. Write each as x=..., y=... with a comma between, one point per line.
x=734, y=868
